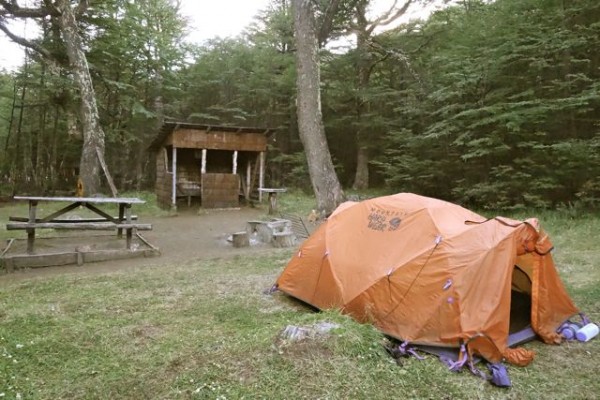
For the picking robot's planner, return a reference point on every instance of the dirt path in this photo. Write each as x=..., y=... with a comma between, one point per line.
x=188, y=236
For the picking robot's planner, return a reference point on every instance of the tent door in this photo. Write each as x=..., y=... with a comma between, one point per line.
x=520, y=301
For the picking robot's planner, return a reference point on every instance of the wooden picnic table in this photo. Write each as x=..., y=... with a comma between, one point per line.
x=273, y=192
x=124, y=221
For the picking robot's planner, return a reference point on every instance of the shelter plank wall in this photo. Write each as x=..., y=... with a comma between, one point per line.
x=220, y=190
x=188, y=166
x=196, y=139
x=163, y=180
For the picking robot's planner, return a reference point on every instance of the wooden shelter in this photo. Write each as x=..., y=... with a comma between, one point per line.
x=216, y=164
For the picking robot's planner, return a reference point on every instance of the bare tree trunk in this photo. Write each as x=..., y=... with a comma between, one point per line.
x=40, y=167
x=326, y=185
x=361, y=178
x=93, y=135
x=52, y=158
x=17, y=172
x=364, y=31
x=12, y=115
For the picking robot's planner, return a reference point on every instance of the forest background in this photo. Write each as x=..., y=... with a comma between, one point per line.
x=489, y=104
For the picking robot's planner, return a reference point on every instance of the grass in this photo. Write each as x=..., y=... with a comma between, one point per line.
x=205, y=330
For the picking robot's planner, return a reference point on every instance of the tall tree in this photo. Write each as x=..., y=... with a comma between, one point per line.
x=325, y=182
x=65, y=15
x=364, y=29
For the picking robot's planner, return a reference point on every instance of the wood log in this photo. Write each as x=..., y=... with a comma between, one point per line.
x=75, y=257
x=42, y=260
x=252, y=226
x=265, y=232
x=68, y=221
x=80, y=226
x=241, y=239
x=284, y=239
x=280, y=225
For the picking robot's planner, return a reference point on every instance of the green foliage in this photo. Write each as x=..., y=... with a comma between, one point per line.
x=491, y=104
x=134, y=50
x=136, y=57
x=510, y=119
x=243, y=82
x=295, y=167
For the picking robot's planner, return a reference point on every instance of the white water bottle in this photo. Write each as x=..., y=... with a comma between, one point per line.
x=588, y=332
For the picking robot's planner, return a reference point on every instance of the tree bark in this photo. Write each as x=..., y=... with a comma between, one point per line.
x=361, y=178
x=93, y=135
x=364, y=31
x=326, y=186
x=365, y=60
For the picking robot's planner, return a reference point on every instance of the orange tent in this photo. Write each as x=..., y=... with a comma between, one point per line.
x=429, y=272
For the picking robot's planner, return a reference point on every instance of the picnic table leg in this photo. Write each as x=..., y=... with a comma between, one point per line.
x=272, y=203
x=31, y=231
x=129, y=233
x=121, y=214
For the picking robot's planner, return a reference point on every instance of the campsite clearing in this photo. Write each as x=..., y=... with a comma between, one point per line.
x=197, y=325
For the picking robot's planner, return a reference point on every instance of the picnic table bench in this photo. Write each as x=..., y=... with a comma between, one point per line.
x=125, y=221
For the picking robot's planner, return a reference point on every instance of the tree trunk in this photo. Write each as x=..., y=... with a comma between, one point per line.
x=53, y=150
x=326, y=185
x=17, y=171
x=364, y=31
x=40, y=167
x=364, y=64
x=361, y=178
x=93, y=135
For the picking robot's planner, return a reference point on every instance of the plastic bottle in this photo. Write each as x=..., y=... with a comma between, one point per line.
x=588, y=332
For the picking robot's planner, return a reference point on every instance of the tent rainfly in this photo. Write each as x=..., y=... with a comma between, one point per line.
x=431, y=273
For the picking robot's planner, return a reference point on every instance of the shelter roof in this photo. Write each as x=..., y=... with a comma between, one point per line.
x=169, y=126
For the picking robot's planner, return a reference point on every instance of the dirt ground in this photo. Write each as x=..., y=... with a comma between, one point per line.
x=188, y=236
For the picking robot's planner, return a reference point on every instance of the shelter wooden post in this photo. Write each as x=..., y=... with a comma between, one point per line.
x=261, y=175
x=203, y=165
x=174, y=183
x=248, y=180
x=235, y=157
